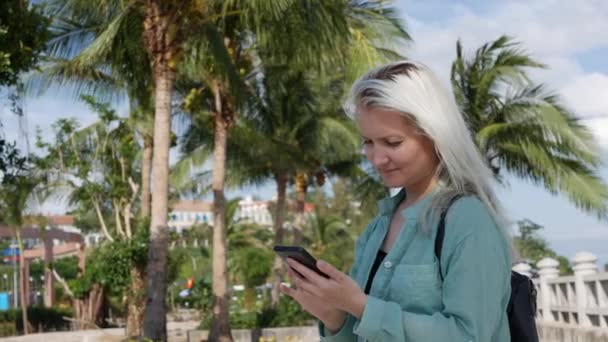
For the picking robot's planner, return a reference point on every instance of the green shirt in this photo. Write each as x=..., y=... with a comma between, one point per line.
x=409, y=302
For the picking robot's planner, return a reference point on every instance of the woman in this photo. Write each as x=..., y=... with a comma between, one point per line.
x=397, y=290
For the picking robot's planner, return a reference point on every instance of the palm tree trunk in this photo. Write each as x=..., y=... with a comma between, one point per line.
x=220, y=328
x=155, y=319
x=162, y=44
x=146, y=167
x=136, y=305
x=136, y=302
x=22, y=284
x=301, y=187
x=279, y=217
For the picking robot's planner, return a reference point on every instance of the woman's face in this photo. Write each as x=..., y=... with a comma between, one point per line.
x=402, y=156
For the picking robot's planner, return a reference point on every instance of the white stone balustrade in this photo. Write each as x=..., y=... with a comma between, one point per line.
x=579, y=300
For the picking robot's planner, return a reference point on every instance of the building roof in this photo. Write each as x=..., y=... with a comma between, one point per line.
x=61, y=220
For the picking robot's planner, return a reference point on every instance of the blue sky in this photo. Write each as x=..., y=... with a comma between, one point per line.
x=568, y=36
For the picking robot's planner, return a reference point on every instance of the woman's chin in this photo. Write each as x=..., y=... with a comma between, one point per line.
x=392, y=183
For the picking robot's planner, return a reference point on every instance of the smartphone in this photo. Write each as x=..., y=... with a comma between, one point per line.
x=300, y=255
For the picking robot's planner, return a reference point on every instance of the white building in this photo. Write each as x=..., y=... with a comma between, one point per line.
x=185, y=214
x=251, y=211
x=67, y=224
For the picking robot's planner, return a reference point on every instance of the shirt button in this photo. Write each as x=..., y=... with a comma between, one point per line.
x=388, y=264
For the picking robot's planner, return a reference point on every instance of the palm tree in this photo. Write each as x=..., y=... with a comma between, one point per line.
x=250, y=261
x=109, y=68
x=523, y=129
x=21, y=187
x=267, y=27
x=329, y=236
x=158, y=29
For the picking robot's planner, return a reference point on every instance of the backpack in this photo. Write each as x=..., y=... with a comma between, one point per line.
x=522, y=303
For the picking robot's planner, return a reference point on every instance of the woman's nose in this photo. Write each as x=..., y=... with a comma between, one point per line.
x=378, y=159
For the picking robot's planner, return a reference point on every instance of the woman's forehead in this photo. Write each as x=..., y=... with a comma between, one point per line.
x=380, y=122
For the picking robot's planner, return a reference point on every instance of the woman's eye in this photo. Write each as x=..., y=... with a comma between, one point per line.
x=366, y=142
x=393, y=143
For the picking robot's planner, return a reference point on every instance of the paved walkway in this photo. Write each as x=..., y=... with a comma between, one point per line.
x=177, y=332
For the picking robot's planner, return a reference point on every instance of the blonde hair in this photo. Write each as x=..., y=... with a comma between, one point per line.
x=412, y=89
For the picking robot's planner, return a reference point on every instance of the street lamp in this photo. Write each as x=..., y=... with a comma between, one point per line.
x=13, y=247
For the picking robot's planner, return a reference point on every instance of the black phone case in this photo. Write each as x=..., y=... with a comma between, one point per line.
x=300, y=255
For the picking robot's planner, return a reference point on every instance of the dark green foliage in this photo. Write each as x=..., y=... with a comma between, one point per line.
x=67, y=268
x=253, y=265
x=45, y=319
x=10, y=160
x=110, y=263
x=287, y=314
x=23, y=35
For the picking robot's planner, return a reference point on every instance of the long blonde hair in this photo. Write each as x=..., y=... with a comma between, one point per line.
x=412, y=89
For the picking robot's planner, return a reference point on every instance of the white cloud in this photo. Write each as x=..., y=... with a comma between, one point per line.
x=588, y=95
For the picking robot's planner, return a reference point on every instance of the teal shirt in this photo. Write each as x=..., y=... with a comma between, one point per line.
x=409, y=302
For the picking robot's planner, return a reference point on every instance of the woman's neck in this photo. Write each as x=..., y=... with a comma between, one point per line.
x=417, y=191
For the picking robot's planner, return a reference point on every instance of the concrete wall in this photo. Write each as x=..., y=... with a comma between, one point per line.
x=548, y=332
x=556, y=332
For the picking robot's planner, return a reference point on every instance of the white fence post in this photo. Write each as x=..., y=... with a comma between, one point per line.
x=584, y=265
x=548, y=269
x=523, y=268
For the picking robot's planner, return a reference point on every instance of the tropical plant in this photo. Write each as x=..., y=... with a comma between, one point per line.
x=523, y=129
x=98, y=167
x=110, y=68
x=267, y=28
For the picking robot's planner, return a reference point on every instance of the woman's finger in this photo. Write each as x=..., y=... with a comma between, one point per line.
x=287, y=290
x=306, y=272
x=331, y=271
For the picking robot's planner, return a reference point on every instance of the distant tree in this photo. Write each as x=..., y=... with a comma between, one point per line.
x=532, y=247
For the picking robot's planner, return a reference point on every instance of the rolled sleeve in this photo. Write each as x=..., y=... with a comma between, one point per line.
x=376, y=316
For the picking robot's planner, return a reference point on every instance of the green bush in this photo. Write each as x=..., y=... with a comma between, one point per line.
x=287, y=314
x=8, y=329
x=41, y=319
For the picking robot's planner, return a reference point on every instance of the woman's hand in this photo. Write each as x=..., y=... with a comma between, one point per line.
x=332, y=318
x=339, y=291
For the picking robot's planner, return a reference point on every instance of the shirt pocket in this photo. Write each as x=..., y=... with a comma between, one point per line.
x=417, y=288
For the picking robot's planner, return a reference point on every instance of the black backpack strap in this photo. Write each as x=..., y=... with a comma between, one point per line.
x=441, y=233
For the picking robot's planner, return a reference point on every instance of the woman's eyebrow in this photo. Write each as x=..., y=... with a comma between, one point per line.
x=385, y=137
